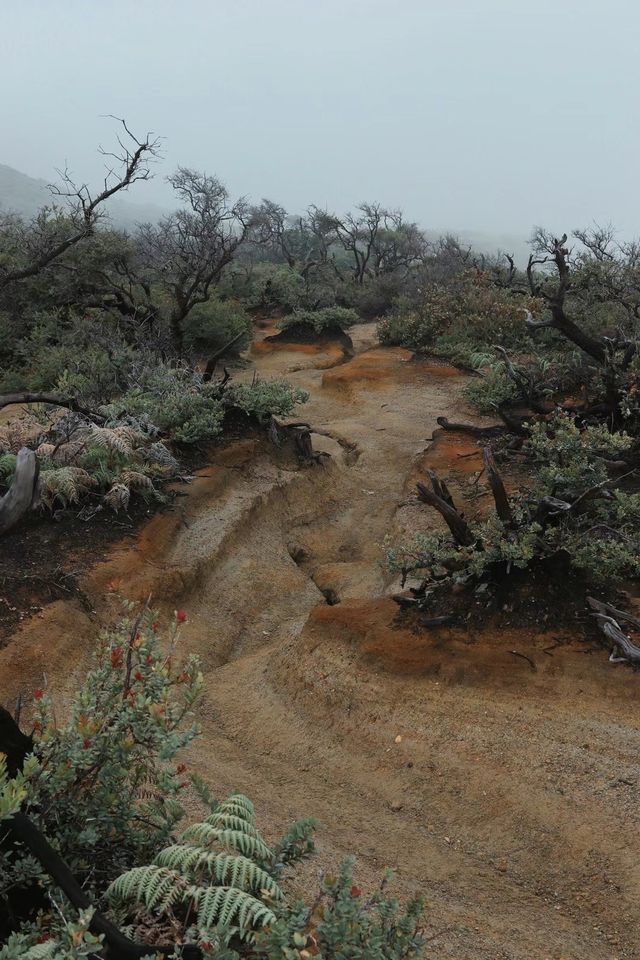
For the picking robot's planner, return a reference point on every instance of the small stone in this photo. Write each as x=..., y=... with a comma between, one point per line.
x=398, y=739
x=396, y=805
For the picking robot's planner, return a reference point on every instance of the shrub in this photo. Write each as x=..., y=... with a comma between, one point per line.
x=177, y=402
x=77, y=357
x=264, y=398
x=491, y=391
x=210, y=326
x=466, y=314
x=326, y=320
x=344, y=924
x=600, y=538
x=106, y=785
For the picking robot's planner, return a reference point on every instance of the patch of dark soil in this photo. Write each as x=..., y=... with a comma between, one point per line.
x=544, y=595
x=42, y=558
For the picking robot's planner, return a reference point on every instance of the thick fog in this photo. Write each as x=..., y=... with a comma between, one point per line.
x=486, y=115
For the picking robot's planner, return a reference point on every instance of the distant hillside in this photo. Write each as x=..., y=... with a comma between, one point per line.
x=26, y=195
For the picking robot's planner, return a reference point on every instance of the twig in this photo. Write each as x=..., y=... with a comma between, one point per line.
x=523, y=656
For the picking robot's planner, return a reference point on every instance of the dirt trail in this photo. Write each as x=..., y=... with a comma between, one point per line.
x=510, y=801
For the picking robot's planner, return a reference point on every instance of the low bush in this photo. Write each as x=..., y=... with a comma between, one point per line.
x=326, y=320
x=211, y=326
x=458, y=318
x=574, y=509
x=264, y=398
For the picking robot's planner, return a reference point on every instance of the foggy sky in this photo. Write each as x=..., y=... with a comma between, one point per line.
x=489, y=115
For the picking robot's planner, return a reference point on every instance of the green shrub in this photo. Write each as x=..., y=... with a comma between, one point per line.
x=264, y=398
x=175, y=400
x=75, y=357
x=210, y=326
x=600, y=539
x=327, y=319
x=343, y=924
x=467, y=313
x=106, y=787
x=491, y=390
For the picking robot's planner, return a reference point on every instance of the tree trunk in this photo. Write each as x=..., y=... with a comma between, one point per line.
x=21, y=493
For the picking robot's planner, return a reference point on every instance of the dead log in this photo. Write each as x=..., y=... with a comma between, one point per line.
x=460, y=529
x=20, y=495
x=470, y=428
x=608, y=617
x=503, y=507
x=348, y=445
x=599, y=606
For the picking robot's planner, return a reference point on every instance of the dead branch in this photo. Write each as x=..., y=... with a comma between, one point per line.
x=460, y=529
x=450, y=425
x=211, y=362
x=503, y=507
x=69, y=403
x=607, y=618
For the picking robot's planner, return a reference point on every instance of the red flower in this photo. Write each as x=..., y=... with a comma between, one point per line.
x=116, y=657
x=181, y=616
x=148, y=659
x=355, y=891
x=137, y=675
x=86, y=743
x=38, y=693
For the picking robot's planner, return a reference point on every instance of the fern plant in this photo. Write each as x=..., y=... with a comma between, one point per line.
x=220, y=876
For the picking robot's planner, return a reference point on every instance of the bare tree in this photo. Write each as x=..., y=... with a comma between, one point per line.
x=554, y=287
x=59, y=228
x=187, y=251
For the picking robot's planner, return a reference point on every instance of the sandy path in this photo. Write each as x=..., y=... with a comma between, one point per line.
x=510, y=801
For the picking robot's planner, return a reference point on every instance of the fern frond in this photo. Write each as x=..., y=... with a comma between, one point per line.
x=230, y=821
x=119, y=439
x=158, y=455
x=238, y=806
x=7, y=466
x=45, y=451
x=64, y=484
x=227, y=906
x=227, y=869
x=157, y=887
x=244, y=843
x=117, y=498
x=135, y=480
